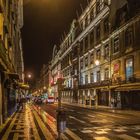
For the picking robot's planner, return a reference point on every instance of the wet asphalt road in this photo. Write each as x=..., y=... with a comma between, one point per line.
x=101, y=125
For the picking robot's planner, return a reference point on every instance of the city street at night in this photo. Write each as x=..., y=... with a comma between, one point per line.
x=39, y=123
x=69, y=69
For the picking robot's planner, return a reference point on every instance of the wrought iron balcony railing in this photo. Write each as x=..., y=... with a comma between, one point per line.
x=3, y=52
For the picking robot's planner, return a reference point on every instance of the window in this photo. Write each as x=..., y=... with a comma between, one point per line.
x=91, y=58
x=91, y=78
x=129, y=68
x=98, y=32
x=86, y=43
x=86, y=21
x=81, y=79
x=106, y=74
x=98, y=6
x=116, y=45
x=106, y=25
x=106, y=51
x=128, y=37
x=86, y=61
x=86, y=79
x=81, y=64
x=92, y=14
x=91, y=38
x=98, y=76
x=81, y=47
x=98, y=54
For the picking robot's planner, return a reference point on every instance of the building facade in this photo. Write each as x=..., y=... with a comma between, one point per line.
x=55, y=68
x=11, y=55
x=100, y=56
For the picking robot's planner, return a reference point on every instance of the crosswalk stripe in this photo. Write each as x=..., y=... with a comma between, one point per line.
x=64, y=137
x=5, y=137
x=127, y=137
x=72, y=134
x=138, y=133
x=16, y=135
x=35, y=132
x=101, y=138
x=68, y=131
x=111, y=115
x=71, y=117
x=91, y=116
x=42, y=126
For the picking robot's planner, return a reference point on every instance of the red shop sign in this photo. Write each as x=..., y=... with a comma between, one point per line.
x=116, y=67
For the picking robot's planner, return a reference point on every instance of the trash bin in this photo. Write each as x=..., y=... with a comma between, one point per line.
x=61, y=120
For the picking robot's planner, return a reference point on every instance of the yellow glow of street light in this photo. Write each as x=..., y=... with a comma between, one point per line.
x=29, y=75
x=97, y=62
x=44, y=88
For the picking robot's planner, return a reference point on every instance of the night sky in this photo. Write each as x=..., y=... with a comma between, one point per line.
x=44, y=23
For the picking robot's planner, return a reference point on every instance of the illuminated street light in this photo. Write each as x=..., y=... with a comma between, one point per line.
x=44, y=88
x=29, y=76
x=97, y=62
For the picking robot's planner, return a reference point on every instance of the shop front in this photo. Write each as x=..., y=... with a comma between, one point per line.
x=131, y=100
x=103, y=97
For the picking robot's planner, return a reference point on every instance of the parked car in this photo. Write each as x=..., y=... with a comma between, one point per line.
x=50, y=100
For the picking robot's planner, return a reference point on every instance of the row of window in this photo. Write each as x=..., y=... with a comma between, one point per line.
x=96, y=77
x=93, y=12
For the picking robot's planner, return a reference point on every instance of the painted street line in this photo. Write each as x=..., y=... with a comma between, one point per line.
x=91, y=116
x=71, y=117
x=42, y=126
x=127, y=137
x=87, y=131
x=101, y=138
x=73, y=135
x=111, y=115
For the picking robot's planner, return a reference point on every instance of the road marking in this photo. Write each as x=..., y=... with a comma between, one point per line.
x=91, y=116
x=111, y=115
x=15, y=137
x=138, y=133
x=100, y=121
x=127, y=137
x=86, y=131
x=101, y=132
x=119, y=130
x=71, y=117
x=42, y=126
x=73, y=135
x=5, y=137
x=101, y=138
x=63, y=137
x=68, y=131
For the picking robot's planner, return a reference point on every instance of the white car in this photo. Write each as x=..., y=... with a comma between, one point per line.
x=50, y=100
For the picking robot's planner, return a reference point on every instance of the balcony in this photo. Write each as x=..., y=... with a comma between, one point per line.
x=95, y=84
x=3, y=54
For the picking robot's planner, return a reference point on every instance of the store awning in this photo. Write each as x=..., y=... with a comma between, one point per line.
x=23, y=86
x=12, y=76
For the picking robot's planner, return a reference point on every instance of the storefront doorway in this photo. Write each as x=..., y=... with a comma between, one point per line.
x=103, y=97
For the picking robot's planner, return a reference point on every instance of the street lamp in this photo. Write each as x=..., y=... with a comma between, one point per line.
x=97, y=62
x=29, y=76
x=44, y=87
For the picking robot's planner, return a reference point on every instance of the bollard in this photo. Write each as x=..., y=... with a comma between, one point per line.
x=61, y=122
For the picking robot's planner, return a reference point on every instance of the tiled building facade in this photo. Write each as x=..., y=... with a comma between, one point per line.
x=100, y=56
x=11, y=56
